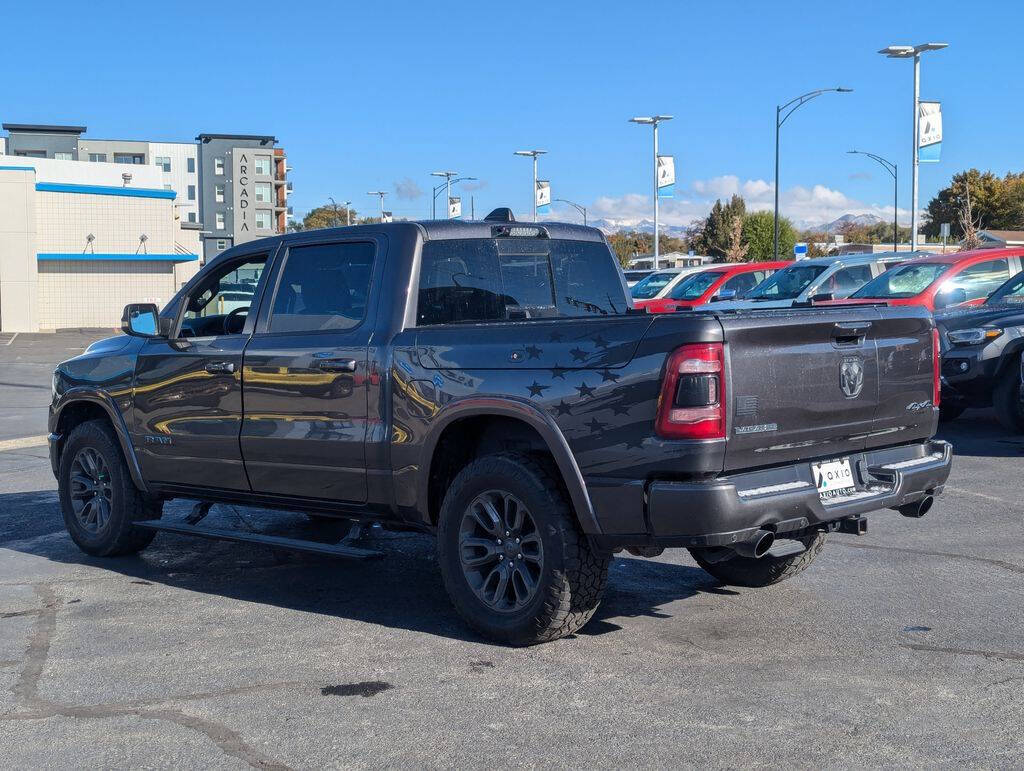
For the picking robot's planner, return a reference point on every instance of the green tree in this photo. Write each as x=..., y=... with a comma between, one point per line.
x=326, y=216
x=715, y=235
x=757, y=235
x=628, y=244
x=996, y=203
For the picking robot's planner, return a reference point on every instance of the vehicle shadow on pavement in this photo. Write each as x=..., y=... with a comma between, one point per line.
x=403, y=590
x=977, y=433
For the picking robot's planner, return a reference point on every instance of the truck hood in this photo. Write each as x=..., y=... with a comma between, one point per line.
x=1009, y=314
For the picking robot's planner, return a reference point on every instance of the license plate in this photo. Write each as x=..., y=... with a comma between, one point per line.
x=834, y=478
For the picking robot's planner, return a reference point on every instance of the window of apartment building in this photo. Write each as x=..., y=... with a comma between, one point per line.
x=263, y=165
x=190, y=165
x=222, y=245
x=218, y=165
x=63, y=156
x=218, y=193
x=264, y=191
x=220, y=220
x=263, y=219
x=163, y=162
x=30, y=153
x=191, y=192
x=97, y=157
x=134, y=158
x=191, y=216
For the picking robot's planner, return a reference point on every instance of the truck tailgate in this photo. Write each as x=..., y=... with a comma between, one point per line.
x=826, y=382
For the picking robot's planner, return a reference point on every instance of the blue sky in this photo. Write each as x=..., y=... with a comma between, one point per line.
x=368, y=96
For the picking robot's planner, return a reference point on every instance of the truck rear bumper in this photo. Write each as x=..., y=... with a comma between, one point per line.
x=785, y=499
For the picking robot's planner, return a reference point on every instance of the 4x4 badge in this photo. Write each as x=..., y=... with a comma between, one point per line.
x=851, y=378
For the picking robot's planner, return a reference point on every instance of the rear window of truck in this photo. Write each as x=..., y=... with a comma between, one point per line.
x=509, y=279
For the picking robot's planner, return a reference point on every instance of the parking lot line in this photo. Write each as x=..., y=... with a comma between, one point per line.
x=25, y=441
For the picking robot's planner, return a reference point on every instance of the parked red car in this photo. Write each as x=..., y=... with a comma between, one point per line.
x=724, y=282
x=941, y=280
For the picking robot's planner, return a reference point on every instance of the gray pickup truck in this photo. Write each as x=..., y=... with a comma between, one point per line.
x=489, y=383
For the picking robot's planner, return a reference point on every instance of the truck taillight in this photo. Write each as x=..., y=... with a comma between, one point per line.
x=936, y=366
x=692, y=402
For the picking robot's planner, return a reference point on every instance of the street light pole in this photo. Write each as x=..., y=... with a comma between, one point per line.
x=534, y=154
x=894, y=171
x=654, y=121
x=446, y=185
x=348, y=212
x=790, y=107
x=581, y=209
x=334, y=203
x=908, y=52
x=380, y=193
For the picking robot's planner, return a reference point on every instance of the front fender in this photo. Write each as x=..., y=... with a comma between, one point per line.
x=511, y=407
x=84, y=394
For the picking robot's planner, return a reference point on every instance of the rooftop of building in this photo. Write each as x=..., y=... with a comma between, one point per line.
x=264, y=138
x=42, y=128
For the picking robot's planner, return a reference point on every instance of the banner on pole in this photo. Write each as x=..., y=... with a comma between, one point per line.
x=454, y=207
x=387, y=217
x=666, y=176
x=929, y=131
x=543, y=196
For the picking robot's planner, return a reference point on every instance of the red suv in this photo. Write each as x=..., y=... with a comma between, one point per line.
x=941, y=280
x=722, y=282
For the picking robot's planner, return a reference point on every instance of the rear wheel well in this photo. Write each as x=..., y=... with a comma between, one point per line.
x=473, y=437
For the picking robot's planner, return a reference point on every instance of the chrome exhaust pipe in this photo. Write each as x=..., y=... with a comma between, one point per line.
x=917, y=509
x=756, y=546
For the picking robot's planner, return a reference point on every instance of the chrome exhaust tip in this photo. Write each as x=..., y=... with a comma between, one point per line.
x=756, y=546
x=917, y=509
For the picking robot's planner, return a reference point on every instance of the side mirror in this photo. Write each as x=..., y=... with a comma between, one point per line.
x=822, y=297
x=141, y=320
x=953, y=295
x=725, y=294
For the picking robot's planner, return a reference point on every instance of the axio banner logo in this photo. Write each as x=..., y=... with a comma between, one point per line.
x=454, y=207
x=929, y=131
x=543, y=196
x=666, y=176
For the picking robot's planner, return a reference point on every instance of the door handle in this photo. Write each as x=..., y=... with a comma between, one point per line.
x=850, y=332
x=220, y=367
x=336, y=365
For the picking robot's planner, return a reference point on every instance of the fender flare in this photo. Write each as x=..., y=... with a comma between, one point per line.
x=530, y=414
x=79, y=394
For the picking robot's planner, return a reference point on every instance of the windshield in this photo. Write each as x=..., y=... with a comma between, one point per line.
x=694, y=286
x=904, y=281
x=1010, y=292
x=654, y=283
x=786, y=284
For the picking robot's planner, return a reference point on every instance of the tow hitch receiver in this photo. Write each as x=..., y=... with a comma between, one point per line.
x=854, y=525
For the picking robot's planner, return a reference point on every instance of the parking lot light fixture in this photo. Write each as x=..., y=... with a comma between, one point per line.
x=380, y=193
x=782, y=112
x=653, y=121
x=894, y=172
x=913, y=52
x=533, y=154
x=448, y=188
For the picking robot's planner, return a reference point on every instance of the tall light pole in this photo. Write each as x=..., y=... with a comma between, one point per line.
x=893, y=171
x=381, y=193
x=654, y=120
x=789, y=108
x=533, y=154
x=334, y=203
x=581, y=209
x=914, y=52
x=348, y=212
x=446, y=185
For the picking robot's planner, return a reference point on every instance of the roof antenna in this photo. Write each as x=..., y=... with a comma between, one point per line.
x=501, y=214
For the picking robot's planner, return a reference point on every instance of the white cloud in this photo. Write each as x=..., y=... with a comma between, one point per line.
x=807, y=207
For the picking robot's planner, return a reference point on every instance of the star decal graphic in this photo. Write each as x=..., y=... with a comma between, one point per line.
x=596, y=425
x=578, y=354
x=635, y=444
x=585, y=390
x=537, y=389
x=620, y=409
x=600, y=342
x=559, y=372
x=532, y=352
x=607, y=374
x=556, y=337
x=563, y=408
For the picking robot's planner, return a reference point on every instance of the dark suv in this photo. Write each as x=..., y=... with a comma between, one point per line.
x=490, y=383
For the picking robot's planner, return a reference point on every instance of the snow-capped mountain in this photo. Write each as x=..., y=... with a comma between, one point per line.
x=609, y=226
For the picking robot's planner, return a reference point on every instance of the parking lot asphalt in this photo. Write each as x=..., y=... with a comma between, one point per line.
x=901, y=647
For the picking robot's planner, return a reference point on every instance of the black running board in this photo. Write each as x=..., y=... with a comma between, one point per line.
x=274, y=541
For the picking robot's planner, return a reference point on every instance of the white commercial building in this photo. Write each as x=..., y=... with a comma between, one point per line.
x=78, y=241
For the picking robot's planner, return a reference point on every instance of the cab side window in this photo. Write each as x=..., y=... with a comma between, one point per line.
x=742, y=282
x=323, y=287
x=982, y=279
x=221, y=302
x=845, y=282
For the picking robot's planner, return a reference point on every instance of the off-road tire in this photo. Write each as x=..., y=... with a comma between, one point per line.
x=768, y=570
x=572, y=576
x=947, y=414
x=1007, y=403
x=127, y=504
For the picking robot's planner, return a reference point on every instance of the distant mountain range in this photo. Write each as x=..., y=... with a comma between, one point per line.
x=849, y=219
x=609, y=226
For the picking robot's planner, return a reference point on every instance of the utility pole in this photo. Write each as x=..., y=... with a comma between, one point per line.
x=654, y=121
x=534, y=154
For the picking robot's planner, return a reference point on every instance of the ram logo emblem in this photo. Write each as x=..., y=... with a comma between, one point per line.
x=851, y=378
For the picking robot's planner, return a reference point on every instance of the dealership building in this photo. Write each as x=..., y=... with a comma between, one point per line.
x=89, y=225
